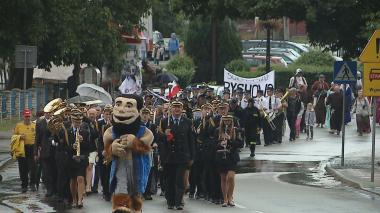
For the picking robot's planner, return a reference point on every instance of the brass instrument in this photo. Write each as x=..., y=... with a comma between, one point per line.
x=57, y=108
x=77, y=141
x=284, y=97
x=268, y=118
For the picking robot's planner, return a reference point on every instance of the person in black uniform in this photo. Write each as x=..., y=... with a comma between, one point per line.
x=212, y=177
x=151, y=186
x=45, y=152
x=252, y=125
x=177, y=153
x=94, y=136
x=104, y=167
x=227, y=157
x=77, y=136
x=197, y=169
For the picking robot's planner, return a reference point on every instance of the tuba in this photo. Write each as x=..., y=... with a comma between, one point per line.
x=52, y=107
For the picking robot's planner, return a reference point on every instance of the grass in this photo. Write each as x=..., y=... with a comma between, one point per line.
x=8, y=124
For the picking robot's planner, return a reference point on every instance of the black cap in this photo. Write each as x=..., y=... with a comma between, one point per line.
x=226, y=91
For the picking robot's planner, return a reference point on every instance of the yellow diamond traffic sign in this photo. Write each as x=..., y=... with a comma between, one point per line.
x=371, y=79
x=371, y=52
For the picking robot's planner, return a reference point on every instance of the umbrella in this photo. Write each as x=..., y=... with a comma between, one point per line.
x=166, y=77
x=80, y=99
x=94, y=91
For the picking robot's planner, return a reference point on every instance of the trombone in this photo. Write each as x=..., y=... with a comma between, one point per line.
x=268, y=118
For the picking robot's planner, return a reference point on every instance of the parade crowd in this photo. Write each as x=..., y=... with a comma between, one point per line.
x=197, y=138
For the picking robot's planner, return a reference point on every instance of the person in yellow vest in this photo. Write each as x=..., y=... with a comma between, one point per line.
x=27, y=166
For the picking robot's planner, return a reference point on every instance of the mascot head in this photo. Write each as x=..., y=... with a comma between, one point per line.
x=126, y=113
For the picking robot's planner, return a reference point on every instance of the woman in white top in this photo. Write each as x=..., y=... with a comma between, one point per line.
x=362, y=109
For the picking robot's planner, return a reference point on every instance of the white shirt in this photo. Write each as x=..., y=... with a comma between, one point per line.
x=275, y=103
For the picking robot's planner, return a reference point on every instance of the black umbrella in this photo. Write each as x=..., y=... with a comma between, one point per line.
x=166, y=77
x=80, y=99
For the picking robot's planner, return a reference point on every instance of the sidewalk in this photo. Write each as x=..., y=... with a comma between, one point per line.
x=5, y=135
x=357, y=171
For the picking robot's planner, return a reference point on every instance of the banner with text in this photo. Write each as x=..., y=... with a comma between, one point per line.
x=233, y=82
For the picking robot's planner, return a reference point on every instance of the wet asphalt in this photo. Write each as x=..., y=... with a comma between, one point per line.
x=288, y=177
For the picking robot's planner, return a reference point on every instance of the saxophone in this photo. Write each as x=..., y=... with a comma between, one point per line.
x=77, y=141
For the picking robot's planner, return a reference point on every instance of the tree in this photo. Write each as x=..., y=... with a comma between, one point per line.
x=339, y=24
x=165, y=20
x=269, y=11
x=228, y=47
x=70, y=31
x=21, y=22
x=214, y=10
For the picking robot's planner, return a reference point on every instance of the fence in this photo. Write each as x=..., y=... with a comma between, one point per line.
x=13, y=102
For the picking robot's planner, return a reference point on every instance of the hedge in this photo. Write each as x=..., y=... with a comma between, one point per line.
x=283, y=74
x=183, y=67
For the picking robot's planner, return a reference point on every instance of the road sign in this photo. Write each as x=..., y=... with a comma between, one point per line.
x=371, y=52
x=25, y=56
x=371, y=79
x=345, y=72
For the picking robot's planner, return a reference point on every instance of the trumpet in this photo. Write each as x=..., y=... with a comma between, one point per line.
x=268, y=118
x=77, y=141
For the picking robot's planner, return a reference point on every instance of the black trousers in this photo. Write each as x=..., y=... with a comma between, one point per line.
x=268, y=133
x=50, y=174
x=151, y=186
x=175, y=183
x=292, y=125
x=279, y=122
x=63, y=179
x=212, y=181
x=27, y=167
x=104, y=170
x=96, y=179
x=196, y=174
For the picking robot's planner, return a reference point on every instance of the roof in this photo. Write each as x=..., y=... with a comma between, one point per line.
x=57, y=73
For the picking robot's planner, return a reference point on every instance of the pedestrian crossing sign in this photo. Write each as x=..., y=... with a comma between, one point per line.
x=345, y=72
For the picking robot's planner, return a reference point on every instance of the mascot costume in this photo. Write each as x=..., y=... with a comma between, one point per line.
x=127, y=144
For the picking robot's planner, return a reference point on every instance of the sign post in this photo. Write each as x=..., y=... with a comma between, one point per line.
x=344, y=73
x=25, y=57
x=370, y=57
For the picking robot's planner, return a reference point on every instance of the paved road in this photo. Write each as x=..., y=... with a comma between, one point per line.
x=290, y=178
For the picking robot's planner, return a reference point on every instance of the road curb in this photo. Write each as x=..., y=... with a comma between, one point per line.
x=5, y=163
x=347, y=181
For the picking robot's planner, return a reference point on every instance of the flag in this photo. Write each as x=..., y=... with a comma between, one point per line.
x=174, y=90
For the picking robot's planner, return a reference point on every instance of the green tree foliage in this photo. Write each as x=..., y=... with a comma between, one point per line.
x=69, y=31
x=214, y=11
x=183, y=67
x=165, y=20
x=228, y=47
x=237, y=65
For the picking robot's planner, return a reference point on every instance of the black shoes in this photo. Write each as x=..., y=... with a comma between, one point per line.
x=179, y=207
x=148, y=197
x=33, y=188
x=252, y=155
x=24, y=189
x=191, y=196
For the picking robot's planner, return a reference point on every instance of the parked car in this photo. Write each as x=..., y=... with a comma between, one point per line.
x=299, y=48
x=255, y=61
x=288, y=55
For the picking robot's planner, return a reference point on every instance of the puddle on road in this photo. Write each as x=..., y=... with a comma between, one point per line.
x=310, y=173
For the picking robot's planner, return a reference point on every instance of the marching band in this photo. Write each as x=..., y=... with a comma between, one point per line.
x=197, y=140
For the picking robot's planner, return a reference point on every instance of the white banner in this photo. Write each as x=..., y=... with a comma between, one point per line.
x=233, y=82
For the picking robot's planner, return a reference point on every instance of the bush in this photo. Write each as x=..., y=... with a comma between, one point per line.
x=315, y=58
x=237, y=65
x=180, y=61
x=182, y=67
